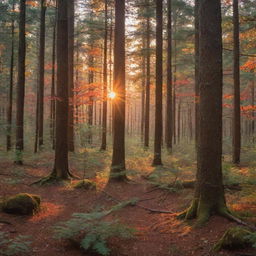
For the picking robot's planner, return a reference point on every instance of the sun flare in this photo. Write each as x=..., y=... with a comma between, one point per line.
x=112, y=95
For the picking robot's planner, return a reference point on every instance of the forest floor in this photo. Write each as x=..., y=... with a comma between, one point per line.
x=158, y=234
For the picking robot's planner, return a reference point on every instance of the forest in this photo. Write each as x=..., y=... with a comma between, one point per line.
x=127, y=128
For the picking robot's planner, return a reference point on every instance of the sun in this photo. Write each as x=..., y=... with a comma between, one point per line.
x=112, y=95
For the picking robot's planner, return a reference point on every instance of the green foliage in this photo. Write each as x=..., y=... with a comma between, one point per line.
x=252, y=239
x=94, y=229
x=16, y=246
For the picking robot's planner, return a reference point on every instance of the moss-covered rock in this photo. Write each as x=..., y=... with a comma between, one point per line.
x=85, y=184
x=22, y=204
x=234, y=238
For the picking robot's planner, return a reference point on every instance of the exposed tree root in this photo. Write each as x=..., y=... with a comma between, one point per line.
x=140, y=206
x=191, y=213
x=53, y=179
x=229, y=216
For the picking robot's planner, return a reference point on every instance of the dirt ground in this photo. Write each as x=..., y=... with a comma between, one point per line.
x=158, y=234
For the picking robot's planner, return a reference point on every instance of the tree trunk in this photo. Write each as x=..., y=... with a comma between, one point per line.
x=105, y=83
x=209, y=194
x=71, y=22
x=118, y=157
x=236, y=77
x=169, y=113
x=174, y=78
x=41, y=75
x=147, y=106
x=253, y=104
x=61, y=151
x=196, y=13
x=143, y=66
x=53, y=98
x=91, y=101
x=10, y=98
x=21, y=84
x=159, y=84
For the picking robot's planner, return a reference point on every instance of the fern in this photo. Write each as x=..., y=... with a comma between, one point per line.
x=18, y=245
x=96, y=232
x=252, y=239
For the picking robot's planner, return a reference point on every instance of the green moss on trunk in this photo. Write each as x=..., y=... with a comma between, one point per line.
x=234, y=238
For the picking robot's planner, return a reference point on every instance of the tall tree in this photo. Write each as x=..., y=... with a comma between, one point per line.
x=41, y=75
x=10, y=98
x=209, y=194
x=147, y=99
x=236, y=77
x=105, y=83
x=118, y=157
x=71, y=23
x=61, y=167
x=196, y=14
x=169, y=125
x=159, y=83
x=21, y=84
x=53, y=100
x=61, y=161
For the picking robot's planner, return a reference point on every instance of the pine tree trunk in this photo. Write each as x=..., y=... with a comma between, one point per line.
x=61, y=150
x=253, y=104
x=143, y=81
x=169, y=113
x=236, y=76
x=196, y=13
x=159, y=84
x=53, y=98
x=105, y=83
x=209, y=194
x=71, y=22
x=10, y=96
x=174, y=120
x=21, y=84
x=147, y=106
x=41, y=75
x=118, y=157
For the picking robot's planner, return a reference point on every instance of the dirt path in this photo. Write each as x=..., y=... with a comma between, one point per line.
x=158, y=234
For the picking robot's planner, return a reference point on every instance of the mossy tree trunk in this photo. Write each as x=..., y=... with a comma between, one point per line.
x=209, y=193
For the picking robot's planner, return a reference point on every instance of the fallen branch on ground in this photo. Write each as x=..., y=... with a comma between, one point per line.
x=140, y=206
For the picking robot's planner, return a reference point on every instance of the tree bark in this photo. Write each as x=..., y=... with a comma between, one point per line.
x=159, y=84
x=209, y=196
x=147, y=106
x=10, y=96
x=118, y=157
x=53, y=97
x=196, y=13
x=169, y=113
x=236, y=77
x=61, y=168
x=21, y=84
x=71, y=23
x=41, y=75
x=105, y=83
